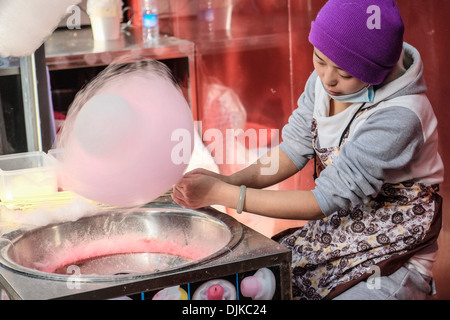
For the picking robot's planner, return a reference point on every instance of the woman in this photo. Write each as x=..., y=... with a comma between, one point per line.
x=365, y=119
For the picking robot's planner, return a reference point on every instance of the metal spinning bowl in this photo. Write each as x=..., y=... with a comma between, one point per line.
x=121, y=245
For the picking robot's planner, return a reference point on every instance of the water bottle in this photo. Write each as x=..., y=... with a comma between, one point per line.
x=206, y=16
x=150, y=22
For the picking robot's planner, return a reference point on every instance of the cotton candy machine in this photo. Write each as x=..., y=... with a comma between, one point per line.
x=136, y=253
x=121, y=244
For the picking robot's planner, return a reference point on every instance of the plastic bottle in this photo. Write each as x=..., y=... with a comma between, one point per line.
x=150, y=22
x=206, y=16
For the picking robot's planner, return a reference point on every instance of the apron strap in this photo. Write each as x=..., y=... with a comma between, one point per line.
x=341, y=140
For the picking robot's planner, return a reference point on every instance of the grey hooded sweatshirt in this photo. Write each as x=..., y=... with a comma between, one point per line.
x=394, y=141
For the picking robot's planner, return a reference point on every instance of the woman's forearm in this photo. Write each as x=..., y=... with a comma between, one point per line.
x=270, y=169
x=296, y=205
x=201, y=188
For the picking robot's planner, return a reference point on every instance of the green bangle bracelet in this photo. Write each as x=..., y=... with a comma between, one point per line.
x=240, y=205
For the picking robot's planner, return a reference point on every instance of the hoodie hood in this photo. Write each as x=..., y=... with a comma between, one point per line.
x=409, y=83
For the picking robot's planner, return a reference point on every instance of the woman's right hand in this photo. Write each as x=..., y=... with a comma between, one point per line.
x=198, y=188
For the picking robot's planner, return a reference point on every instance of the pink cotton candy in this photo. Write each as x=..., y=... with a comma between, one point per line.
x=260, y=286
x=215, y=292
x=123, y=140
x=217, y=289
x=250, y=286
x=71, y=253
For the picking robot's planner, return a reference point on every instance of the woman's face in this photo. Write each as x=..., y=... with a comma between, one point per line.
x=336, y=81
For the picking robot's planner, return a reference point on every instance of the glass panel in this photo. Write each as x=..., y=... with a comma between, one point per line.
x=12, y=125
x=243, y=71
x=248, y=81
x=26, y=117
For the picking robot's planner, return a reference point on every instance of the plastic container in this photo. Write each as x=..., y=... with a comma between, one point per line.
x=27, y=174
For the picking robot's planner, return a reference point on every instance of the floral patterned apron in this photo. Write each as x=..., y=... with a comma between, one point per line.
x=333, y=254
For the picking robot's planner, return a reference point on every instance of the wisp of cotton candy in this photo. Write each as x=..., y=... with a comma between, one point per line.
x=25, y=24
x=123, y=135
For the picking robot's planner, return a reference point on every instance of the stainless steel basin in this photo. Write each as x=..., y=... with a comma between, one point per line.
x=121, y=244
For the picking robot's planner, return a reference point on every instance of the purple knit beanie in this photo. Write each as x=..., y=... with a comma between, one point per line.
x=363, y=37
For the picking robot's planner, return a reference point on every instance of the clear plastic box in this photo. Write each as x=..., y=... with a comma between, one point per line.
x=27, y=174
